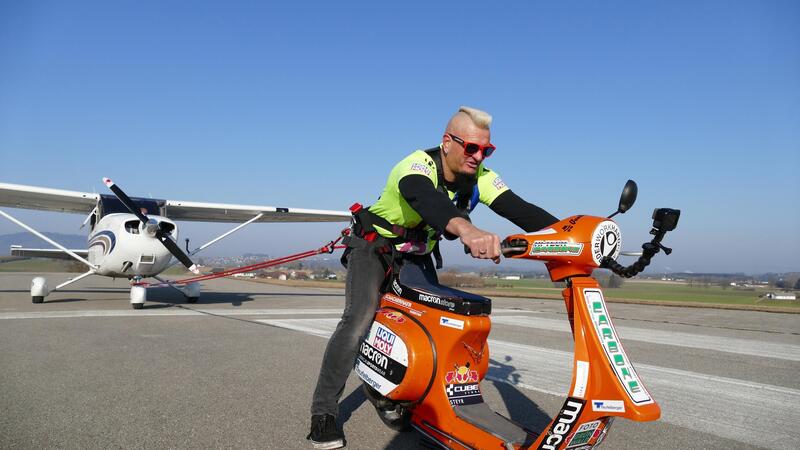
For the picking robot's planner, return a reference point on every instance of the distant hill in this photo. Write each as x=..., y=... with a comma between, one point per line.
x=28, y=240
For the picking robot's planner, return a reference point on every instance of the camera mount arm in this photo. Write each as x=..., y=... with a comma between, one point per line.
x=664, y=220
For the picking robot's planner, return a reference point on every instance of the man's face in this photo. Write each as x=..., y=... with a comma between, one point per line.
x=456, y=159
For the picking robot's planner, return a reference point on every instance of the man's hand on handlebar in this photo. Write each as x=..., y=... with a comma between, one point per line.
x=481, y=244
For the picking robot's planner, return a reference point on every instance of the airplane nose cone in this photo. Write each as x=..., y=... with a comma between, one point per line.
x=151, y=227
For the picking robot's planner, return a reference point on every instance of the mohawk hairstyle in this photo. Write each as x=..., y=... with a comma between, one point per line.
x=480, y=118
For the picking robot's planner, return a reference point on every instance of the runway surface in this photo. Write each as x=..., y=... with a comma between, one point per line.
x=237, y=369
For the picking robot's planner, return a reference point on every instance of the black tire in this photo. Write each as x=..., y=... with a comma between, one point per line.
x=137, y=305
x=398, y=419
x=37, y=299
x=393, y=414
x=191, y=299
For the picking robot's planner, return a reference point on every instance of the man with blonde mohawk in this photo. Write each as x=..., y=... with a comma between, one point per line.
x=428, y=194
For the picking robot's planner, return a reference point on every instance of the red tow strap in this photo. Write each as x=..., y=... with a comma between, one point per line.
x=329, y=248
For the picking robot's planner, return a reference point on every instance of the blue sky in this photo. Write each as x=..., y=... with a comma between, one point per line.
x=310, y=104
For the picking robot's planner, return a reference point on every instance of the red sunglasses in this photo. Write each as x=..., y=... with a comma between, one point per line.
x=470, y=148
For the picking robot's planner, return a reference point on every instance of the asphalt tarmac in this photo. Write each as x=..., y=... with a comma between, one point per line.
x=237, y=369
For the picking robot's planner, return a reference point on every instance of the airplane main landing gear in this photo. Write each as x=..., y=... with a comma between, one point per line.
x=39, y=290
x=192, y=292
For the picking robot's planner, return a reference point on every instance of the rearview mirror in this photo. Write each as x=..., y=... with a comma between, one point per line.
x=628, y=197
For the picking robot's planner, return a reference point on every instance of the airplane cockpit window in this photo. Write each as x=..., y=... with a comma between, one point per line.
x=167, y=227
x=132, y=226
x=111, y=205
x=92, y=221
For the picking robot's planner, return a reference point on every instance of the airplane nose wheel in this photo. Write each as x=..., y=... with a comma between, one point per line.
x=138, y=296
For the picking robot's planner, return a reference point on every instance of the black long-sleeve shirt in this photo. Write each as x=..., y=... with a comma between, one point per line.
x=436, y=209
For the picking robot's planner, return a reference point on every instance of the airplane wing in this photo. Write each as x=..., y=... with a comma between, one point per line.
x=221, y=212
x=33, y=197
x=52, y=253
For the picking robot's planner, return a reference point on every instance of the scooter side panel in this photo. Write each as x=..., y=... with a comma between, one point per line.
x=396, y=357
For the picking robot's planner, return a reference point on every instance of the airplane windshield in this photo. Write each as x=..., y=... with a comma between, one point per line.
x=111, y=205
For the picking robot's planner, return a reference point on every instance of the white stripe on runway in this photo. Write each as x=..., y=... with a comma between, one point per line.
x=186, y=311
x=176, y=311
x=749, y=412
x=739, y=346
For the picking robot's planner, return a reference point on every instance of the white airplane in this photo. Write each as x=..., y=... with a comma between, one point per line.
x=136, y=238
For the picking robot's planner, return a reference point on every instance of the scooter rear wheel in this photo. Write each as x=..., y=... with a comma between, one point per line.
x=392, y=413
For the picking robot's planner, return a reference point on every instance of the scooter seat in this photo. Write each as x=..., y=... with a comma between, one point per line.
x=418, y=282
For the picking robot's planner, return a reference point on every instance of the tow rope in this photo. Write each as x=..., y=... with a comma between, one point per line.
x=330, y=247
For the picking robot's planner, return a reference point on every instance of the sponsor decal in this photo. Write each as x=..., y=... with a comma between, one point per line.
x=581, y=378
x=419, y=167
x=415, y=312
x=541, y=232
x=558, y=248
x=562, y=424
x=606, y=241
x=388, y=369
x=584, y=433
x=461, y=375
x=604, y=431
x=384, y=367
x=498, y=183
x=374, y=356
x=393, y=316
x=575, y=219
x=396, y=287
x=608, y=406
x=464, y=394
x=432, y=299
x=452, y=323
x=384, y=340
x=607, y=335
x=572, y=223
x=397, y=300
x=364, y=375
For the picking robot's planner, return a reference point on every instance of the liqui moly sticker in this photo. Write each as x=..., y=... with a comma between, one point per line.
x=382, y=359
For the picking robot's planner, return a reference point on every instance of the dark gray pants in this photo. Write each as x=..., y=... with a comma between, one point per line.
x=365, y=273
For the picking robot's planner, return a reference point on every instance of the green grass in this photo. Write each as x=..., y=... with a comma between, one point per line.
x=654, y=291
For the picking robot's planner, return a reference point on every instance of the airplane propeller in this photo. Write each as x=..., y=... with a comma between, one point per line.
x=151, y=227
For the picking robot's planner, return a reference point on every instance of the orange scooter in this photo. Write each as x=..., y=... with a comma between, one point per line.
x=426, y=353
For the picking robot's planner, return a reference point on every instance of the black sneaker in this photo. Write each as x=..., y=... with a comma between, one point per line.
x=325, y=432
